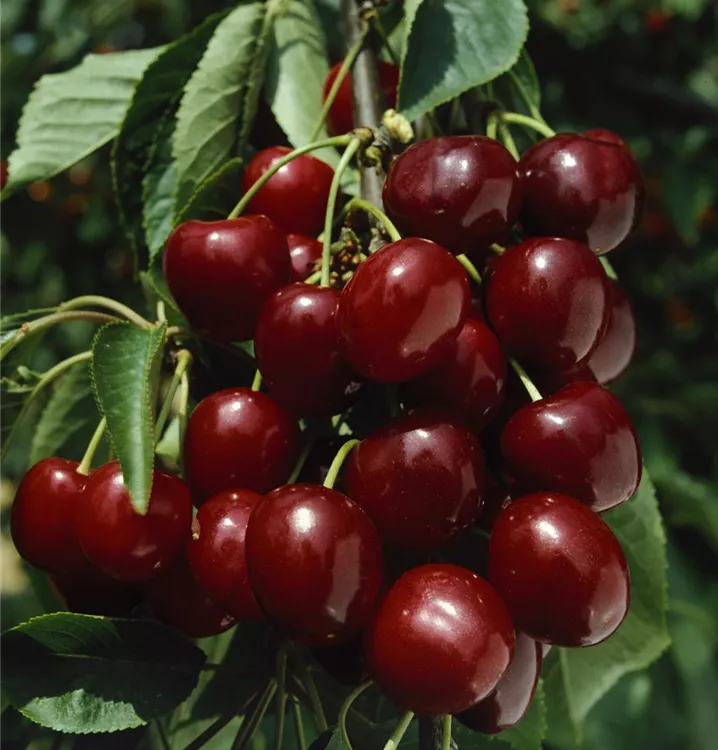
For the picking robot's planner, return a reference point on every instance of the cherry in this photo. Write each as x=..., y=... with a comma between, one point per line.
x=238, y=438
x=497, y=498
x=402, y=309
x=3, y=173
x=420, y=478
x=89, y=591
x=580, y=442
x=177, y=599
x=470, y=379
x=295, y=198
x=601, y=134
x=304, y=253
x=610, y=359
x=345, y=662
x=121, y=542
x=297, y=351
x=440, y=640
x=547, y=301
x=216, y=552
x=43, y=515
x=221, y=273
x=581, y=188
x=460, y=191
x=511, y=698
x=560, y=570
x=315, y=562
x=340, y=119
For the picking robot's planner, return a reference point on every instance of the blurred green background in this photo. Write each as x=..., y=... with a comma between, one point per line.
x=645, y=68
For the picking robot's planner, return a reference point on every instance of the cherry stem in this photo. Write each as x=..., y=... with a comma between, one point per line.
x=95, y=300
x=184, y=360
x=528, y=384
x=182, y=415
x=251, y=723
x=359, y=204
x=316, y=277
x=217, y=726
x=339, y=140
x=86, y=463
x=446, y=735
x=508, y=140
x=608, y=268
x=470, y=268
x=347, y=156
x=400, y=731
x=533, y=109
x=529, y=122
x=257, y=382
x=344, y=710
x=298, y=723
x=281, y=698
x=492, y=128
x=339, y=459
x=381, y=31
x=498, y=249
x=307, y=680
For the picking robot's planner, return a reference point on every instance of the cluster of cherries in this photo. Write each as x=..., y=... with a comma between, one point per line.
x=471, y=470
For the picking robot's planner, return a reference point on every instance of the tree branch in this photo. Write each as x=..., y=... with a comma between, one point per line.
x=431, y=732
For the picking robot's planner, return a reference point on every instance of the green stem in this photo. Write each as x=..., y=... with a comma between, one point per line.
x=281, y=698
x=164, y=741
x=217, y=726
x=339, y=140
x=381, y=31
x=182, y=415
x=528, y=122
x=86, y=463
x=359, y=204
x=393, y=741
x=508, y=140
x=184, y=360
x=315, y=278
x=298, y=723
x=492, y=128
x=95, y=300
x=339, y=459
x=528, y=384
x=344, y=710
x=251, y=723
x=347, y=156
x=257, y=382
x=533, y=109
x=608, y=268
x=470, y=268
x=446, y=736
x=498, y=249
x=310, y=686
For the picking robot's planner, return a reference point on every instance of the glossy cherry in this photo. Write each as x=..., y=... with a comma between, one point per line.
x=420, y=478
x=341, y=114
x=601, y=134
x=315, y=562
x=222, y=272
x=402, y=309
x=238, y=438
x=610, y=359
x=43, y=515
x=121, y=542
x=560, y=570
x=470, y=379
x=582, y=188
x=304, y=253
x=216, y=552
x=88, y=591
x=440, y=640
x=547, y=300
x=580, y=442
x=297, y=351
x=461, y=191
x=295, y=198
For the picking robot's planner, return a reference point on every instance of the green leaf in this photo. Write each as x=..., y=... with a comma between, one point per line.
x=216, y=196
x=519, y=87
x=471, y=42
x=156, y=289
x=69, y=115
x=84, y=674
x=160, y=87
x=13, y=394
x=125, y=377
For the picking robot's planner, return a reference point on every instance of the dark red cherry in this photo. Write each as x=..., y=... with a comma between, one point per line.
x=3, y=173
x=88, y=591
x=216, y=552
x=547, y=300
x=345, y=662
x=461, y=191
x=121, y=542
x=601, y=134
x=222, y=272
x=581, y=188
x=297, y=351
x=315, y=562
x=511, y=698
x=470, y=379
x=402, y=309
x=580, y=442
x=420, y=478
x=341, y=114
x=497, y=498
x=239, y=438
x=440, y=640
x=43, y=515
x=560, y=570
x=295, y=198
x=304, y=253
x=610, y=359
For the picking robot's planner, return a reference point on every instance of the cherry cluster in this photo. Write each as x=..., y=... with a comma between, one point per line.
x=467, y=536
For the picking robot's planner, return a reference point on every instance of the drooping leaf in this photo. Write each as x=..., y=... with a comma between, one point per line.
x=216, y=196
x=69, y=115
x=519, y=87
x=156, y=289
x=13, y=395
x=84, y=674
x=471, y=42
x=125, y=377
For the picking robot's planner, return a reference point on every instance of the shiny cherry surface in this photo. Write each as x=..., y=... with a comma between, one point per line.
x=580, y=442
x=304, y=253
x=510, y=700
x=216, y=552
x=559, y=569
x=460, y=191
x=315, y=562
x=402, y=310
x=297, y=351
x=601, y=134
x=295, y=198
x=420, y=478
x=583, y=188
x=222, y=272
x=238, y=438
x=120, y=541
x=547, y=300
x=43, y=516
x=88, y=591
x=440, y=640
x=610, y=359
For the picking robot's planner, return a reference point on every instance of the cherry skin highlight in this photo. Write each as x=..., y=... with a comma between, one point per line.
x=439, y=641
x=559, y=569
x=610, y=359
x=304, y=253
